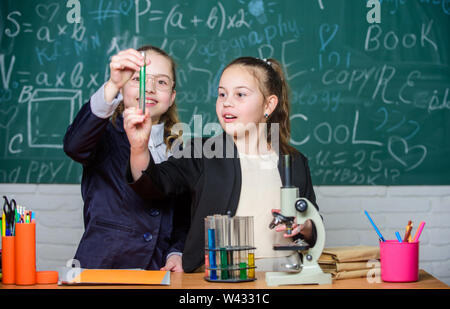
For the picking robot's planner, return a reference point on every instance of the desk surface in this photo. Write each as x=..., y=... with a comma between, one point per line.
x=196, y=281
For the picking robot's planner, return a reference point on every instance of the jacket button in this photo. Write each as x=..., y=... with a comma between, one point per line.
x=154, y=212
x=148, y=237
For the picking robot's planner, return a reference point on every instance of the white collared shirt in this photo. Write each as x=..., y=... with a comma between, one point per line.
x=156, y=144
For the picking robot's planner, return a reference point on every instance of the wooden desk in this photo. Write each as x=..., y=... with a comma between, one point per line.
x=196, y=281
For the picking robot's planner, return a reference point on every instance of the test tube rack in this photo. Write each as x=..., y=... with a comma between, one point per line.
x=229, y=250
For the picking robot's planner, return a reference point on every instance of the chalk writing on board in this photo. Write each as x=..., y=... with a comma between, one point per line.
x=218, y=19
x=6, y=72
x=394, y=6
x=369, y=101
x=406, y=150
x=259, y=10
x=324, y=133
x=45, y=135
x=390, y=40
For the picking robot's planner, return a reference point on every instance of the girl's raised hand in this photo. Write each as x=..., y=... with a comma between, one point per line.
x=122, y=67
x=138, y=127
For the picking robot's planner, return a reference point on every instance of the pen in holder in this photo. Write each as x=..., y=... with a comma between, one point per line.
x=25, y=255
x=8, y=260
x=229, y=249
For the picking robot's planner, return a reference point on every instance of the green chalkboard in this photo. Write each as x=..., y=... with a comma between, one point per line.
x=370, y=101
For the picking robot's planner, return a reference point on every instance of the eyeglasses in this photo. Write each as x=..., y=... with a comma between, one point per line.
x=160, y=82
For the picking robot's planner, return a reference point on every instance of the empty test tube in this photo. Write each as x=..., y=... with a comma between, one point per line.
x=218, y=226
x=229, y=222
x=243, y=256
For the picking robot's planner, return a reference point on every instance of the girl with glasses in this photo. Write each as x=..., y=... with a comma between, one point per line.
x=121, y=229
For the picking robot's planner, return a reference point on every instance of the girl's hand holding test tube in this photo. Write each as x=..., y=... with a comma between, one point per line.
x=138, y=127
x=122, y=67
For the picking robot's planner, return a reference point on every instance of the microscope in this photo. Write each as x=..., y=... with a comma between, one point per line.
x=302, y=267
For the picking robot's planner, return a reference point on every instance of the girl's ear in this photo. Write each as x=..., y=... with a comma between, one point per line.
x=172, y=99
x=271, y=104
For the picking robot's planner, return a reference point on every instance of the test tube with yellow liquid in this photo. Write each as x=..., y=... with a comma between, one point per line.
x=251, y=252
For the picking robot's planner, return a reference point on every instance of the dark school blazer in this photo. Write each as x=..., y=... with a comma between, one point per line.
x=121, y=229
x=214, y=184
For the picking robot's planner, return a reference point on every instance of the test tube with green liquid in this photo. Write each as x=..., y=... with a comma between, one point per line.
x=235, y=243
x=225, y=275
x=142, y=79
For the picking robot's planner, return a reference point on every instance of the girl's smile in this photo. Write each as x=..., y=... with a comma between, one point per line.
x=229, y=117
x=149, y=101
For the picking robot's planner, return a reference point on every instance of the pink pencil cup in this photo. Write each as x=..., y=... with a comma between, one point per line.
x=399, y=261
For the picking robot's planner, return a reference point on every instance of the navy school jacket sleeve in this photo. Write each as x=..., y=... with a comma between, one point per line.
x=83, y=134
x=172, y=177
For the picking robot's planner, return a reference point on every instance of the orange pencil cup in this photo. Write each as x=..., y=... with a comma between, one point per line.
x=25, y=253
x=8, y=260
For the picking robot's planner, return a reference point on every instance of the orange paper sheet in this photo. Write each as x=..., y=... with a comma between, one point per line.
x=122, y=276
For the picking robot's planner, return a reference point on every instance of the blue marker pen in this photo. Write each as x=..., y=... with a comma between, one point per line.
x=374, y=226
x=399, y=238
